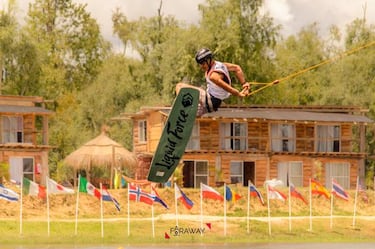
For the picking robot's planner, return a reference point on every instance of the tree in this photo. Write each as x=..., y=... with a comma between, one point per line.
x=293, y=56
x=69, y=44
x=237, y=32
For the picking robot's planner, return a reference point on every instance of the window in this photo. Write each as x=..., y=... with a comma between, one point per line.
x=338, y=171
x=233, y=136
x=194, y=143
x=290, y=172
x=236, y=172
x=194, y=173
x=283, y=137
x=200, y=173
x=328, y=138
x=12, y=129
x=20, y=167
x=142, y=130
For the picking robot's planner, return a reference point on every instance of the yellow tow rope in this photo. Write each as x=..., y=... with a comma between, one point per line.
x=266, y=85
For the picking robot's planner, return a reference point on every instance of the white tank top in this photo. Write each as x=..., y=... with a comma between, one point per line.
x=212, y=88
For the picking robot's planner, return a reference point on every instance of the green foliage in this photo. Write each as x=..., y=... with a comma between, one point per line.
x=4, y=172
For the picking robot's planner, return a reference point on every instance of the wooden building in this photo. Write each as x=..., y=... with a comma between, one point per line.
x=24, y=137
x=257, y=143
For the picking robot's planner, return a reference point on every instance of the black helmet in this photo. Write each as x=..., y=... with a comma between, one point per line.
x=203, y=55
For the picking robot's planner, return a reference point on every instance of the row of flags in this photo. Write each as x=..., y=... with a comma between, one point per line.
x=137, y=194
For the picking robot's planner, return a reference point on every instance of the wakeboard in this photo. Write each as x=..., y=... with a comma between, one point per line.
x=175, y=135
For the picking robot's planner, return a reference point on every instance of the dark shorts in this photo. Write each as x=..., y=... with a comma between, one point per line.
x=215, y=103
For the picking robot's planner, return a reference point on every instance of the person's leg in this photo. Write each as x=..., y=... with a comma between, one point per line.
x=202, y=109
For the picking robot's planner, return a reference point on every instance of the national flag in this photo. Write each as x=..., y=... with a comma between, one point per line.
x=318, y=189
x=87, y=187
x=275, y=194
x=8, y=194
x=339, y=191
x=157, y=198
x=136, y=194
x=273, y=183
x=106, y=196
x=230, y=195
x=32, y=188
x=210, y=193
x=183, y=198
x=296, y=194
x=55, y=188
x=256, y=193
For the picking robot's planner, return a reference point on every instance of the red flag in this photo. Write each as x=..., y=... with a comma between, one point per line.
x=166, y=235
x=296, y=194
x=256, y=193
x=136, y=194
x=275, y=194
x=183, y=198
x=210, y=193
x=318, y=189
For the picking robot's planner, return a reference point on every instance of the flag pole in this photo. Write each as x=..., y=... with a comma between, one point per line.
x=48, y=219
x=248, y=207
x=310, y=197
x=21, y=209
x=201, y=208
x=152, y=220
x=331, y=218
x=128, y=209
x=290, y=210
x=355, y=202
x=77, y=202
x=225, y=209
x=175, y=203
x=101, y=209
x=269, y=211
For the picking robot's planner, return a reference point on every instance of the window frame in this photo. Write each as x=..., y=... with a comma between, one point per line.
x=331, y=171
x=241, y=175
x=281, y=142
x=326, y=143
x=142, y=131
x=194, y=141
x=230, y=141
x=12, y=129
x=286, y=173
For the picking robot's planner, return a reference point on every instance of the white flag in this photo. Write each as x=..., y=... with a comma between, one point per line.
x=8, y=194
x=55, y=188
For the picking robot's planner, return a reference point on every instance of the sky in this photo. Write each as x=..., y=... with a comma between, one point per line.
x=291, y=14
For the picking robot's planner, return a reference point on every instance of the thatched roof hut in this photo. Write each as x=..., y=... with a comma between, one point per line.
x=102, y=152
